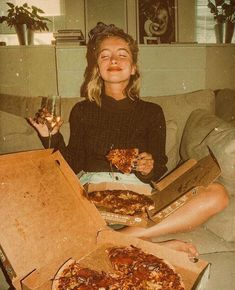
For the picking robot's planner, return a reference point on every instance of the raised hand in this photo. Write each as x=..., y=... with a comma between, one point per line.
x=43, y=128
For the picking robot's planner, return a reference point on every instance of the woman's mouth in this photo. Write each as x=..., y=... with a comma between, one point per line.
x=114, y=68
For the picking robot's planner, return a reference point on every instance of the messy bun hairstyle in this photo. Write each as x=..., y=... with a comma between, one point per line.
x=93, y=85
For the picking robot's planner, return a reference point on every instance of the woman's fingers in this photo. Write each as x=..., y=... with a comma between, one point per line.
x=43, y=128
x=144, y=163
x=57, y=126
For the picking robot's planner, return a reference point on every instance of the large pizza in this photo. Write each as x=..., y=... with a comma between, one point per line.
x=125, y=202
x=132, y=269
x=123, y=159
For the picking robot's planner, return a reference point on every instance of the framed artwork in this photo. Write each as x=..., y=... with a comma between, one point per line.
x=156, y=21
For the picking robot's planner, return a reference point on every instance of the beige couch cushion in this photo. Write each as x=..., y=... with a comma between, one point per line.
x=178, y=108
x=171, y=144
x=205, y=129
x=16, y=134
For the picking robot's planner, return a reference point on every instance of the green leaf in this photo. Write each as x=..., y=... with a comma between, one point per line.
x=10, y=4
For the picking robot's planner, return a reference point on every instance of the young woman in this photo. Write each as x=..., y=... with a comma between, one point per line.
x=113, y=116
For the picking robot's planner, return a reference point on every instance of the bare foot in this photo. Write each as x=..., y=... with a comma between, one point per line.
x=177, y=245
x=182, y=246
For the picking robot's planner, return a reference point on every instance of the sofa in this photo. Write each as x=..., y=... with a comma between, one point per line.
x=194, y=121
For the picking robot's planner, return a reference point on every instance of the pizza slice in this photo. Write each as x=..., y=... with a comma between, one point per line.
x=123, y=159
x=150, y=271
x=72, y=275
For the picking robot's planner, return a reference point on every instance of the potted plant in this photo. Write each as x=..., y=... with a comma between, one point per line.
x=25, y=19
x=224, y=12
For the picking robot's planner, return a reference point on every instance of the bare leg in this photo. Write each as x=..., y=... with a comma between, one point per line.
x=199, y=209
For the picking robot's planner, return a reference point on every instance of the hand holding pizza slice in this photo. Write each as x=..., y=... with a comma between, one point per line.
x=123, y=159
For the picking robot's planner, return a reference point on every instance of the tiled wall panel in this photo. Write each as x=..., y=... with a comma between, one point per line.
x=71, y=63
x=168, y=70
x=165, y=69
x=220, y=67
x=27, y=71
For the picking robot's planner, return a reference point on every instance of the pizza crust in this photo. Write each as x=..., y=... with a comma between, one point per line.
x=59, y=273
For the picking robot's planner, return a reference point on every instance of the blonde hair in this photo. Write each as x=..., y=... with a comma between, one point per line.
x=93, y=85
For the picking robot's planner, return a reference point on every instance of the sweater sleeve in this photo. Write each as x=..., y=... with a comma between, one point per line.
x=156, y=137
x=74, y=152
x=157, y=144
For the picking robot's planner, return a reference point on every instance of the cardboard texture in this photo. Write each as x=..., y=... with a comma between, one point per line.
x=182, y=184
x=46, y=220
x=42, y=216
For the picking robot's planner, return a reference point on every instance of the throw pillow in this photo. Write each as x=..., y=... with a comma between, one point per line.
x=225, y=105
x=204, y=129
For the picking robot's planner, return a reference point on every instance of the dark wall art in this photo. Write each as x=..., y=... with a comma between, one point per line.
x=157, y=21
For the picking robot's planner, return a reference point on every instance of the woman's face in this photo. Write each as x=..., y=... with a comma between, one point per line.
x=115, y=61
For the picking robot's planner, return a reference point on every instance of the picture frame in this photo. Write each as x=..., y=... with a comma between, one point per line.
x=156, y=21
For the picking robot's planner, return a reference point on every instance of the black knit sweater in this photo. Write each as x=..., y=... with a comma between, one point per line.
x=120, y=124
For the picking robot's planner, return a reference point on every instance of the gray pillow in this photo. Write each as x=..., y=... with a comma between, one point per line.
x=204, y=129
x=225, y=104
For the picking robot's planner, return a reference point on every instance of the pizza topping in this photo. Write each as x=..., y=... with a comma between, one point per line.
x=133, y=269
x=153, y=272
x=122, y=201
x=43, y=116
x=123, y=159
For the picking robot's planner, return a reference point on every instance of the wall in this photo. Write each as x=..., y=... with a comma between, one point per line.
x=165, y=69
x=220, y=66
x=123, y=14
x=27, y=70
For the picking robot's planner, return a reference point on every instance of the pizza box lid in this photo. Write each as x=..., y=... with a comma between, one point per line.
x=46, y=219
x=182, y=184
x=42, y=215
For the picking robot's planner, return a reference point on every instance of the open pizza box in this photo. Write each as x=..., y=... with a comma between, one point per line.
x=169, y=194
x=116, y=218
x=182, y=184
x=46, y=220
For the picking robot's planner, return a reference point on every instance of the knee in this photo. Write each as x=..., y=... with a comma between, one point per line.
x=218, y=196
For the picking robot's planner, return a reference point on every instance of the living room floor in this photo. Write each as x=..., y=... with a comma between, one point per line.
x=218, y=252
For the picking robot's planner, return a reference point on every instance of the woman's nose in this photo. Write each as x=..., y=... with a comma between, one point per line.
x=113, y=59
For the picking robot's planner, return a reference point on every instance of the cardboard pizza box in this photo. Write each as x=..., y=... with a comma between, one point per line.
x=46, y=220
x=169, y=194
x=183, y=184
x=116, y=218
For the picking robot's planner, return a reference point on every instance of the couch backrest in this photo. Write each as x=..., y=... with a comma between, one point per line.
x=175, y=107
x=179, y=107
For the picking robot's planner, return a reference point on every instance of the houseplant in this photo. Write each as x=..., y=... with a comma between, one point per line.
x=224, y=12
x=25, y=19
